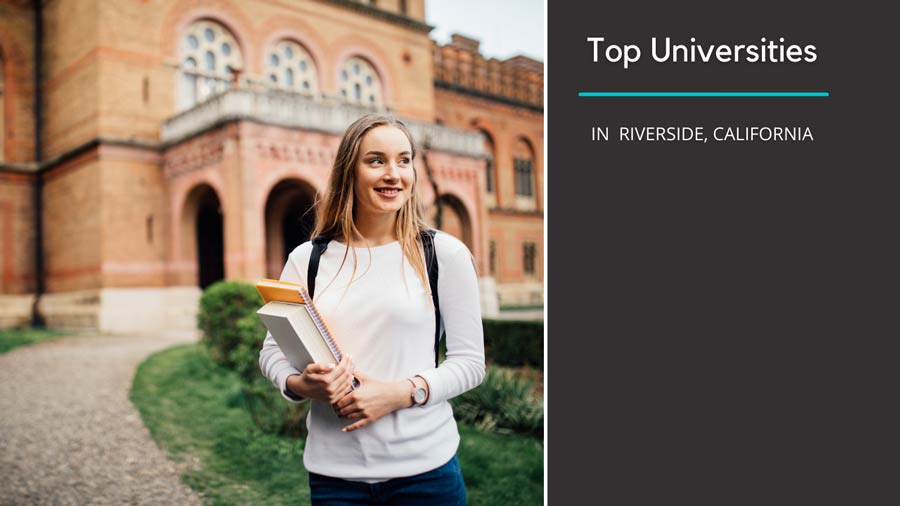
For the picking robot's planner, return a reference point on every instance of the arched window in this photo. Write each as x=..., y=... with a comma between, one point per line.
x=290, y=67
x=490, y=170
x=359, y=83
x=209, y=57
x=523, y=167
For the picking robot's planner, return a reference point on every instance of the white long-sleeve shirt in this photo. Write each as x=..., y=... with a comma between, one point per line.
x=385, y=320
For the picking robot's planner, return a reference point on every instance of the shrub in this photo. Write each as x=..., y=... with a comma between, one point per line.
x=234, y=334
x=503, y=403
x=231, y=329
x=514, y=343
x=271, y=413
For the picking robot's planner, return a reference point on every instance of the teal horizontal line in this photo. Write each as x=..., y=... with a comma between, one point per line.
x=703, y=94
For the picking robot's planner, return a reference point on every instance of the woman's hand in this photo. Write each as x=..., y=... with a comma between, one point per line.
x=373, y=400
x=323, y=382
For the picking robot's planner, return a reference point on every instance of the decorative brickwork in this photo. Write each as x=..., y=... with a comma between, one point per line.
x=460, y=66
x=145, y=198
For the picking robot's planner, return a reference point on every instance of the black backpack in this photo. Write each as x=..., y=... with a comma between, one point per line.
x=320, y=244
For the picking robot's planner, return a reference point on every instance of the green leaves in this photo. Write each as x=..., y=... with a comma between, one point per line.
x=504, y=403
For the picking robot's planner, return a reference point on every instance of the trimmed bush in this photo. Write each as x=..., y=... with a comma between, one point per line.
x=234, y=334
x=231, y=329
x=514, y=343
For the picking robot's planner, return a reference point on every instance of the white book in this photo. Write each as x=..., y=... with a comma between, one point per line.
x=296, y=333
x=296, y=325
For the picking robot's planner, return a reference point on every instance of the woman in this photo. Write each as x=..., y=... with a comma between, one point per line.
x=393, y=439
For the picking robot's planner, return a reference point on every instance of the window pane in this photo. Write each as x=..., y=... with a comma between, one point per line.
x=193, y=42
x=289, y=78
x=209, y=34
x=210, y=61
x=493, y=257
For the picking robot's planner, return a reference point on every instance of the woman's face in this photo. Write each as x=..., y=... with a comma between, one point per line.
x=384, y=171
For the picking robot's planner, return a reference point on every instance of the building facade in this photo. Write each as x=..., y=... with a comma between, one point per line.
x=170, y=144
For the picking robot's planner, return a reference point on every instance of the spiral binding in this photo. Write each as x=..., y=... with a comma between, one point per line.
x=320, y=324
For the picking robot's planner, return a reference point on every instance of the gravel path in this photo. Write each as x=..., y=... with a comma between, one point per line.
x=70, y=435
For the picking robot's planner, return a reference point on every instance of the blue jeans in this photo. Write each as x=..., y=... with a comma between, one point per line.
x=439, y=487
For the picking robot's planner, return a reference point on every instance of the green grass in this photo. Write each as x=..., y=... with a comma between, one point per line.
x=501, y=469
x=13, y=338
x=522, y=307
x=196, y=412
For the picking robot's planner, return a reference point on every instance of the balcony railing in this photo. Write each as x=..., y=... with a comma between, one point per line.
x=292, y=110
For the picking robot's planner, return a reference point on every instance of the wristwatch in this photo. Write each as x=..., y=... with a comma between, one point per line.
x=418, y=395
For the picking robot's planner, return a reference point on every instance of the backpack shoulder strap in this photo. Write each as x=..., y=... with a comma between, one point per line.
x=319, y=244
x=431, y=265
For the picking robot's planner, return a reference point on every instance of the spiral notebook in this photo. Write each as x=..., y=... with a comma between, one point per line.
x=293, y=320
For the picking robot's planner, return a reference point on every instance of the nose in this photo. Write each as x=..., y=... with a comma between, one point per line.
x=391, y=171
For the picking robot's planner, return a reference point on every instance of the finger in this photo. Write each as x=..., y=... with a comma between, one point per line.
x=351, y=412
x=343, y=367
x=342, y=393
x=350, y=364
x=319, y=368
x=339, y=394
x=344, y=401
x=355, y=415
x=335, y=398
x=358, y=425
x=338, y=374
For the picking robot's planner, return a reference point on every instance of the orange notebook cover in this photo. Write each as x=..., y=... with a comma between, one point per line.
x=284, y=291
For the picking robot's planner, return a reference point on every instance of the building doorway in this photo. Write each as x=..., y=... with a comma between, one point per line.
x=210, y=239
x=290, y=218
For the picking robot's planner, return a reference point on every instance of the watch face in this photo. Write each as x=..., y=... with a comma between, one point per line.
x=419, y=395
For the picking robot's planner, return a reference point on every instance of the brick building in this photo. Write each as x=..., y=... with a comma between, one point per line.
x=170, y=144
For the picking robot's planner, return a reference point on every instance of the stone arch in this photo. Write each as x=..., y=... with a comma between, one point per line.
x=223, y=12
x=358, y=79
x=455, y=218
x=203, y=233
x=207, y=65
x=355, y=46
x=294, y=29
x=522, y=146
x=307, y=80
x=289, y=220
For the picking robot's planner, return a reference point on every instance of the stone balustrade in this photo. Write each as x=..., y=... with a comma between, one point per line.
x=294, y=110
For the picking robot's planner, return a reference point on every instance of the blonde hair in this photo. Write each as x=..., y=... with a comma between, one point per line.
x=335, y=215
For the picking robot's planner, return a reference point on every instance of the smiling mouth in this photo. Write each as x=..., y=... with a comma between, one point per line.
x=388, y=191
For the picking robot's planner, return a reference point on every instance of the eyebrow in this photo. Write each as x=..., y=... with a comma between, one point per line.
x=382, y=153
